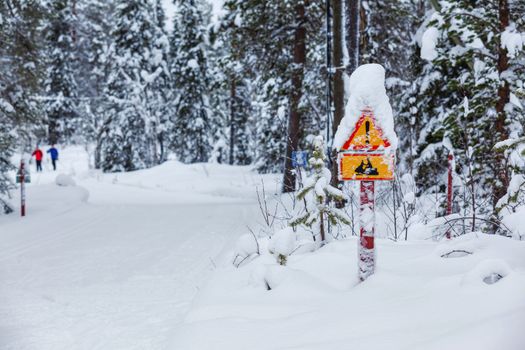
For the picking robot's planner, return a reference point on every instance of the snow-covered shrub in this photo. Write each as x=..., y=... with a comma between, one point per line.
x=318, y=197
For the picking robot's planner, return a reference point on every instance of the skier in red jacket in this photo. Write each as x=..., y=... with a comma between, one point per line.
x=38, y=154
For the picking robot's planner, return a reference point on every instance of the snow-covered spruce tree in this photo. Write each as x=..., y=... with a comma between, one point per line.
x=390, y=48
x=92, y=47
x=7, y=141
x=233, y=100
x=130, y=132
x=193, y=129
x=159, y=98
x=463, y=95
x=267, y=52
x=60, y=85
x=20, y=79
x=319, y=197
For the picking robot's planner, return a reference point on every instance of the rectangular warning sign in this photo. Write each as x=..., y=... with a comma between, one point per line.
x=366, y=166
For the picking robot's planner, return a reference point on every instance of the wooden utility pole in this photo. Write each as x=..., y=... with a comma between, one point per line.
x=352, y=34
x=299, y=61
x=502, y=176
x=339, y=88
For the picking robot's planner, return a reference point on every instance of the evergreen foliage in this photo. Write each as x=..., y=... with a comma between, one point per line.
x=193, y=127
x=20, y=82
x=454, y=102
x=130, y=134
x=60, y=85
x=265, y=40
x=319, y=196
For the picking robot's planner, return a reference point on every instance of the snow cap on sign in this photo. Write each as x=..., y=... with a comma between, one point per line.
x=367, y=90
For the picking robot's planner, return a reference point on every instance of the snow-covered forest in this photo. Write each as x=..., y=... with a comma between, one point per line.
x=245, y=82
x=194, y=111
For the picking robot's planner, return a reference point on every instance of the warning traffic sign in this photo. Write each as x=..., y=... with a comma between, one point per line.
x=366, y=154
x=367, y=135
x=366, y=166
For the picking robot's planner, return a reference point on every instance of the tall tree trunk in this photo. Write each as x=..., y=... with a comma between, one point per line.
x=233, y=96
x=294, y=130
x=339, y=88
x=352, y=34
x=501, y=172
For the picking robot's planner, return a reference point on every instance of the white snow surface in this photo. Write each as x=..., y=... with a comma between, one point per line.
x=143, y=260
x=416, y=300
x=367, y=90
x=114, y=262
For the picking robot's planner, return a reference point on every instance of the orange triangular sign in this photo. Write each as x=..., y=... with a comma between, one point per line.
x=366, y=136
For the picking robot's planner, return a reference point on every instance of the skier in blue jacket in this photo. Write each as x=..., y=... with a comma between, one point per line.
x=54, y=156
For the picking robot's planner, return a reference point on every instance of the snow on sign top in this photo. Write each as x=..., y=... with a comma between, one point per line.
x=367, y=96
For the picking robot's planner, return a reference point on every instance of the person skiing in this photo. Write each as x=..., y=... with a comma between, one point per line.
x=54, y=156
x=38, y=154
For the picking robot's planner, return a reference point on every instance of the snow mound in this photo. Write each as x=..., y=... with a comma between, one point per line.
x=319, y=290
x=367, y=90
x=64, y=180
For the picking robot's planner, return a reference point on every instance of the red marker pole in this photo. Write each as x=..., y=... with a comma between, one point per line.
x=22, y=189
x=367, y=222
x=449, y=189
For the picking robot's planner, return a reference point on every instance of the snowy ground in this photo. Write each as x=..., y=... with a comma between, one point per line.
x=142, y=261
x=416, y=300
x=114, y=262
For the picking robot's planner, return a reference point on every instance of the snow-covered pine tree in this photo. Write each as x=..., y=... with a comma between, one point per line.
x=158, y=94
x=93, y=40
x=130, y=132
x=233, y=94
x=193, y=127
x=60, y=85
x=20, y=78
x=459, y=97
x=319, y=197
x=266, y=52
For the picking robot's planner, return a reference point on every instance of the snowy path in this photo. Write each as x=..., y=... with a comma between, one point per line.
x=116, y=272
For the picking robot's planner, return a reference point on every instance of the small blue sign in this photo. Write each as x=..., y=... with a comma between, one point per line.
x=299, y=159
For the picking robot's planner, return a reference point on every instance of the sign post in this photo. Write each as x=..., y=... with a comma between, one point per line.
x=366, y=156
x=366, y=235
x=22, y=189
x=449, y=189
x=23, y=177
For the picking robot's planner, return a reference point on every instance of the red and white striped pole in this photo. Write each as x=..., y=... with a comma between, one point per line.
x=449, y=189
x=367, y=222
x=22, y=189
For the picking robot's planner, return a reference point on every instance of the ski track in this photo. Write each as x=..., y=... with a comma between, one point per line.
x=108, y=276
